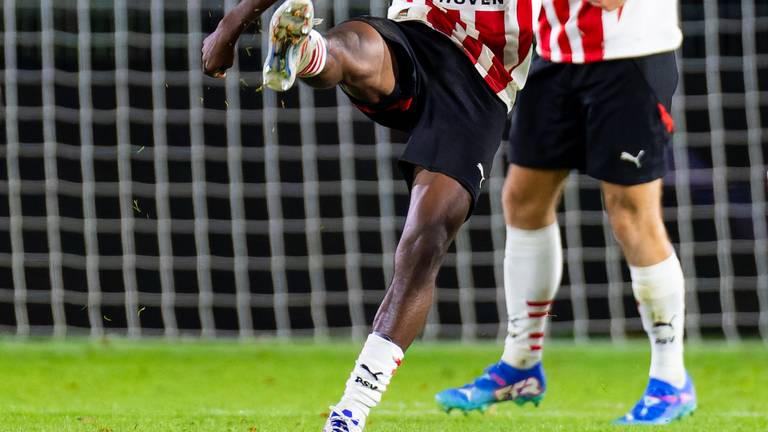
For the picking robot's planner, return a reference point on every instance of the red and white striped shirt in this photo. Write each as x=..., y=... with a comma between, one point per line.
x=496, y=35
x=573, y=31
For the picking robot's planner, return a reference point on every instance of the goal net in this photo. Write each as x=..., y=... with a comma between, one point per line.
x=139, y=197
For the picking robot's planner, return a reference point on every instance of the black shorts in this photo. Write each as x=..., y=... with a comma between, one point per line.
x=455, y=121
x=609, y=119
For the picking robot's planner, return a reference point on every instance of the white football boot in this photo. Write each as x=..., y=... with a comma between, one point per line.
x=342, y=421
x=292, y=44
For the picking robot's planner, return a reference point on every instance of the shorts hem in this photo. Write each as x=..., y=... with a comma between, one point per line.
x=626, y=181
x=543, y=165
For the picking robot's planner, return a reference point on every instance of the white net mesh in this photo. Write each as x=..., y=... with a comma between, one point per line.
x=139, y=197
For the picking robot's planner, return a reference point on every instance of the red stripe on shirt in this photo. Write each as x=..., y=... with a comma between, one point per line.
x=497, y=78
x=545, y=30
x=491, y=25
x=591, y=27
x=443, y=20
x=525, y=24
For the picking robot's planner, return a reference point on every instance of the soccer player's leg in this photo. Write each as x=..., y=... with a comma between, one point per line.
x=438, y=208
x=532, y=270
x=456, y=122
x=659, y=286
x=353, y=54
x=627, y=141
x=544, y=144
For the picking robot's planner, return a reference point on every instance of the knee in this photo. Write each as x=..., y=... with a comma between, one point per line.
x=525, y=207
x=633, y=221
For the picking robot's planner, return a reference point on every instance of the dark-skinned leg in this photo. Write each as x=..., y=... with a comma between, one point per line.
x=437, y=210
x=438, y=207
x=360, y=60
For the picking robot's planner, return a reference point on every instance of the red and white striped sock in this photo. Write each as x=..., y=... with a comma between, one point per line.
x=314, y=53
x=525, y=335
x=538, y=311
x=533, y=265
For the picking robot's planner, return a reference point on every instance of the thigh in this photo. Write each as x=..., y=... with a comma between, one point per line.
x=628, y=123
x=364, y=59
x=547, y=124
x=462, y=120
x=401, y=108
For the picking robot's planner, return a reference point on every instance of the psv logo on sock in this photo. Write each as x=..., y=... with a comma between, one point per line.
x=365, y=383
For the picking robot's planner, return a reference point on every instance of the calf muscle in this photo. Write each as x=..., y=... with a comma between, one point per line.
x=438, y=207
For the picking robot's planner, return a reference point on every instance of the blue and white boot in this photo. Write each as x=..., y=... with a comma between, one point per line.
x=662, y=403
x=342, y=421
x=500, y=383
x=292, y=45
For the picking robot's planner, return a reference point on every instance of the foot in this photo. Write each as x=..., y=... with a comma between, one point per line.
x=501, y=382
x=288, y=36
x=661, y=404
x=342, y=421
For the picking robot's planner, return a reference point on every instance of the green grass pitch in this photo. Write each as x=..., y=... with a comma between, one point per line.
x=119, y=385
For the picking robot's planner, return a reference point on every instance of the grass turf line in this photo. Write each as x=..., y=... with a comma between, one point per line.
x=152, y=386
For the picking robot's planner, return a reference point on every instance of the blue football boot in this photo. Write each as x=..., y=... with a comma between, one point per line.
x=500, y=382
x=661, y=404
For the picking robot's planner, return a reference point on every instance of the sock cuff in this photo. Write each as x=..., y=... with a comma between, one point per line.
x=671, y=263
x=376, y=344
x=542, y=237
x=657, y=280
x=314, y=61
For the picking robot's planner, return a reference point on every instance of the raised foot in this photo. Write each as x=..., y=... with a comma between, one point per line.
x=295, y=23
x=288, y=30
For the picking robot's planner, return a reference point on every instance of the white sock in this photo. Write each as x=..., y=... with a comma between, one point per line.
x=373, y=370
x=660, y=293
x=533, y=266
x=314, y=53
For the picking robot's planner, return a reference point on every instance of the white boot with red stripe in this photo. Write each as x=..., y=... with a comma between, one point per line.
x=295, y=49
